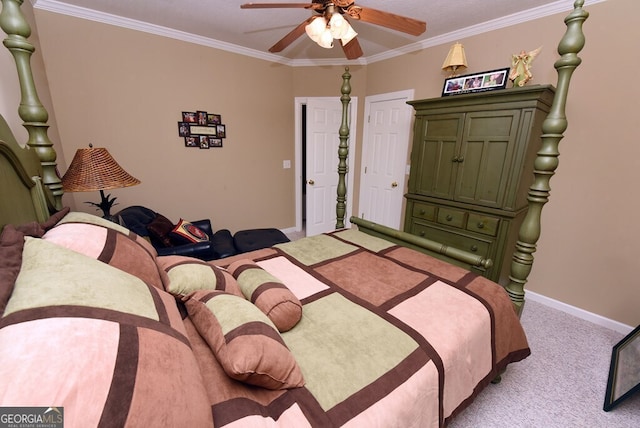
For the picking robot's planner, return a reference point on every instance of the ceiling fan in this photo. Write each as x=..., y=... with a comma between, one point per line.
x=330, y=23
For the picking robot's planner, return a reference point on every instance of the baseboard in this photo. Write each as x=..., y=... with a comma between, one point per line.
x=580, y=313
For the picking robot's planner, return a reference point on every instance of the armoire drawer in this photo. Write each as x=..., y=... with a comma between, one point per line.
x=460, y=241
x=483, y=224
x=451, y=217
x=424, y=211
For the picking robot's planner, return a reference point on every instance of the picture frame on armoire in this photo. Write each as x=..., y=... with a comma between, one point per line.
x=624, y=372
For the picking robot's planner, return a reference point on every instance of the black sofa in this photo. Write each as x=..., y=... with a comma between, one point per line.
x=157, y=228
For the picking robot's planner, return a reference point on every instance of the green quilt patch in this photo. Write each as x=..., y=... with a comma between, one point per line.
x=316, y=249
x=52, y=275
x=333, y=371
x=369, y=242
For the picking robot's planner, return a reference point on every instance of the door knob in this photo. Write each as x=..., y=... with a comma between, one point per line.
x=394, y=184
x=311, y=182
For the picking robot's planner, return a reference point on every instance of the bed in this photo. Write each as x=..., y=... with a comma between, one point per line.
x=357, y=327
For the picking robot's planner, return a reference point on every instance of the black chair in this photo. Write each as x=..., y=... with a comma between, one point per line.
x=157, y=228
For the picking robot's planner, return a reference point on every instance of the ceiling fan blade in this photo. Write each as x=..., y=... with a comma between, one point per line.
x=279, y=5
x=387, y=19
x=291, y=37
x=352, y=50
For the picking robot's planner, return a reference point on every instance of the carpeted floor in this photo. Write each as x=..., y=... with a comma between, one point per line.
x=561, y=384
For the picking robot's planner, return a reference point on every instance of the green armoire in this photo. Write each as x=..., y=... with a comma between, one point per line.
x=471, y=168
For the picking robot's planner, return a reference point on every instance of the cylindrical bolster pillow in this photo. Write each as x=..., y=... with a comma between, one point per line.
x=268, y=293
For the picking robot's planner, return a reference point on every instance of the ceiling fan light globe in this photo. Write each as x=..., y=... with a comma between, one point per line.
x=350, y=35
x=338, y=26
x=316, y=28
x=326, y=40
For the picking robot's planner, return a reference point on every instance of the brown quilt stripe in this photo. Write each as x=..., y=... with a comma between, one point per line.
x=237, y=408
x=391, y=303
x=375, y=391
x=110, y=246
x=116, y=407
x=92, y=313
x=161, y=309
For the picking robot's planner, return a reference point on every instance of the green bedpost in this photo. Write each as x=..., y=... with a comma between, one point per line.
x=546, y=162
x=31, y=110
x=343, y=149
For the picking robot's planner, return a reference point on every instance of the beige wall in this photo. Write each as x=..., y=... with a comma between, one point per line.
x=585, y=255
x=125, y=90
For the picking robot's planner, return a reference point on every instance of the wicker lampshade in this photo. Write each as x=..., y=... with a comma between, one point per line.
x=456, y=58
x=95, y=169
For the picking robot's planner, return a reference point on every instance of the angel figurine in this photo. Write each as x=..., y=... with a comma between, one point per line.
x=520, y=72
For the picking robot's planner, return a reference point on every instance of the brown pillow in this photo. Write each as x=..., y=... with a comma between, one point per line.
x=159, y=230
x=268, y=293
x=11, y=244
x=244, y=341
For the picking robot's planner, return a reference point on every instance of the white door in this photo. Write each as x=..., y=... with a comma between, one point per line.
x=384, y=157
x=324, y=117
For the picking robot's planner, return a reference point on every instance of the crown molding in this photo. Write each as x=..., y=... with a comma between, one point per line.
x=560, y=6
x=132, y=24
x=55, y=6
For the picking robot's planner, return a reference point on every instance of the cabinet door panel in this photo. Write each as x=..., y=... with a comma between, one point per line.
x=437, y=150
x=488, y=145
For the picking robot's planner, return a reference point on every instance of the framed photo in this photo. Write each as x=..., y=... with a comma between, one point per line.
x=214, y=119
x=191, y=141
x=202, y=117
x=215, y=142
x=189, y=116
x=221, y=131
x=478, y=82
x=624, y=372
x=204, y=142
x=183, y=129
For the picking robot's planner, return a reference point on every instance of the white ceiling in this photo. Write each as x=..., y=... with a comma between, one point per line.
x=222, y=24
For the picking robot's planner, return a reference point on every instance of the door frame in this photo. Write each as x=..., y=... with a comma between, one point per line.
x=408, y=95
x=298, y=103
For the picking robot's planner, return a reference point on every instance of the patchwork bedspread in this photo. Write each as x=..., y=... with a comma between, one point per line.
x=378, y=335
x=388, y=337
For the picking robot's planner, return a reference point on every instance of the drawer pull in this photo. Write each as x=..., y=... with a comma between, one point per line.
x=480, y=225
x=474, y=248
x=422, y=212
x=422, y=233
x=449, y=217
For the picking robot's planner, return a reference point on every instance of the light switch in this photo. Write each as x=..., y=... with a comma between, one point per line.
x=286, y=164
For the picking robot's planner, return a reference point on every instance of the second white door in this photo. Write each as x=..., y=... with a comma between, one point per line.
x=384, y=157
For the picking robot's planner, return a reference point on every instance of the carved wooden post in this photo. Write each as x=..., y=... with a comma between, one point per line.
x=31, y=110
x=546, y=162
x=343, y=149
